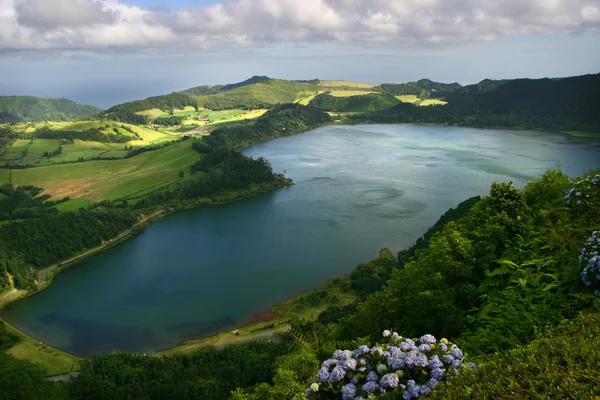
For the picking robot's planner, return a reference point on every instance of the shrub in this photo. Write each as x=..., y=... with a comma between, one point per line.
x=399, y=368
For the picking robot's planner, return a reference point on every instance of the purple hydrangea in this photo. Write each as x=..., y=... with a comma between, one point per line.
x=348, y=391
x=337, y=374
x=437, y=373
x=372, y=376
x=389, y=381
x=427, y=339
x=435, y=362
x=370, y=387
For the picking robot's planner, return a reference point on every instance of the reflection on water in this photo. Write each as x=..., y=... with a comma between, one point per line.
x=358, y=189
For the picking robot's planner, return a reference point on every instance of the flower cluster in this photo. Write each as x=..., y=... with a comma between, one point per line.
x=399, y=367
x=581, y=190
x=590, y=259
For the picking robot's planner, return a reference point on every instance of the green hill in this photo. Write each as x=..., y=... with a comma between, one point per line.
x=360, y=103
x=256, y=92
x=420, y=86
x=35, y=109
x=565, y=104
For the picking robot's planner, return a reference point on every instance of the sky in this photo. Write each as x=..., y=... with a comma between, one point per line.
x=105, y=52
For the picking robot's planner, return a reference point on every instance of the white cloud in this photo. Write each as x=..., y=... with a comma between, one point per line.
x=100, y=25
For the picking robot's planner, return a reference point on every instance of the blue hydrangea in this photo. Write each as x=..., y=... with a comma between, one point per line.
x=323, y=374
x=435, y=362
x=372, y=376
x=437, y=373
x=389, y=381
x=348, y=391
x=427, y=339
x=370, y=387
x=337, y=374
x=421, y=361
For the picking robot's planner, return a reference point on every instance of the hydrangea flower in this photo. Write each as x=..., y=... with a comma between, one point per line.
x=409, y=368
x=590, y=263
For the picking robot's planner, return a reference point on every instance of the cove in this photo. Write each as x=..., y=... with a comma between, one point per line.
x=358, y=189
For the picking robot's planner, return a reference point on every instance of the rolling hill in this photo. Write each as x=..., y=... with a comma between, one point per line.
x=35, y=109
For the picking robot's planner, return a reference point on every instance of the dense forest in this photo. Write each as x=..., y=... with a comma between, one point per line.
x=568, y=104
x=33, y=109
x=39, y=242
x=360, y=103
x=422, y=88
x=282, y=120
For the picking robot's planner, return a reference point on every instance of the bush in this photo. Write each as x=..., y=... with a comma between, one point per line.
x=398, y=368
x=563, y=364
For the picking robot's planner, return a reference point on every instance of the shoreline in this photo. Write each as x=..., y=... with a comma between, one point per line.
x=47, y=274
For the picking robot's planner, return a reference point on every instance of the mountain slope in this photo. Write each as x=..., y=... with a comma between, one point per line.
x=35, y=109
x=565, y=104
x=256, y=92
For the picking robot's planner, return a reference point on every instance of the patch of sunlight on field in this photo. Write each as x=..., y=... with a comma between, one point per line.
x=148, y=135
x=348, y=93
x=4, y=175
x=111, y=179
x=83, y=125
x=408, y=98
x=16, y=151
x=351, y=84
x=432, y=102
x=153, y=113
x=73, y=205
x=38, y=148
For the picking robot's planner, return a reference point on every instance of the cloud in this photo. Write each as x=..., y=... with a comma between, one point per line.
x=109, y=25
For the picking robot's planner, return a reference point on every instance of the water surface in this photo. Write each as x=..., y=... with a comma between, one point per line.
x=358, y=189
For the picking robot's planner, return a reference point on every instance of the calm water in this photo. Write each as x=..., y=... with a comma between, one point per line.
x=357, y=189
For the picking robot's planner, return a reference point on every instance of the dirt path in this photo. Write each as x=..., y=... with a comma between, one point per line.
x=120, y=236
x=9, y=295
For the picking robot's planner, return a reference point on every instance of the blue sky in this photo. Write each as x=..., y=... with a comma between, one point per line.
x=105, y=52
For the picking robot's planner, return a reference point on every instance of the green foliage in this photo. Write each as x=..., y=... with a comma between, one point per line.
x=22, y=380
x=419, y=87
x=489, y=274
x=282, y=120
x=49, y=239
x=33, y=109
x=256, y=92
x=206, y=374
x=561, y=364
x=168, y=121
x=7, y=339
x=362, y=103
x=126, y=112
x=568, y=104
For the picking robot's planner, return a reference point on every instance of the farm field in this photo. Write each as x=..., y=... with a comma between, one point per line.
x=348, y=93
x=432, y=102
x=36, y=150
x=73, y=205
x=408, y=98
x=95, y=180
x=349, y=84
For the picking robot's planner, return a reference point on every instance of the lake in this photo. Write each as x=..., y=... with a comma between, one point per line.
x=358, y=189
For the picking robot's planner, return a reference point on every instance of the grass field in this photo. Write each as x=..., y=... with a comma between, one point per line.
x=408, y=98
x=73, y=205
x=55, y=361
x=431, y=102
x=348, y=93
x=349, y=84
x=36, y=150
x=16, y=151
x=86, y=150
x=111, y=179
x=305, y=97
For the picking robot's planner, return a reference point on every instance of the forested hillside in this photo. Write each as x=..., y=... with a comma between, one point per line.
x=33, y=109
x=361, y=103
x=568, y=104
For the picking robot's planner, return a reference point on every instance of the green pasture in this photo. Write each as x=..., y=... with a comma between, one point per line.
x=55, y=361
x=111, y=179
x=16, y=151
x=408, y=98
x=73, y=205
x=87, y=150
x=432, y=102
x=348, y=93
x=36, y=150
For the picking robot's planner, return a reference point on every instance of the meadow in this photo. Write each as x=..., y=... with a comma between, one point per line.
x=97, y=180
x=411, y=98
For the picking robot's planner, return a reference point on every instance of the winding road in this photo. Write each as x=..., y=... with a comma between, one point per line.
x=120, y=236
